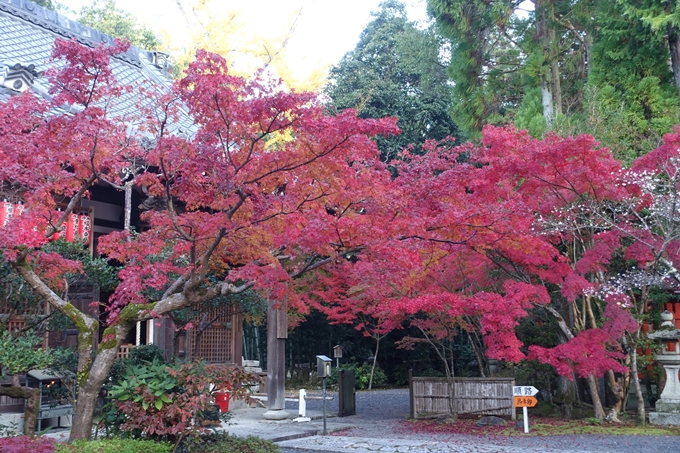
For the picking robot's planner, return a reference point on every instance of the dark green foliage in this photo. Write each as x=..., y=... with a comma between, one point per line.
x=49, y=4
x=530, y=114
x=104, y=16
x=169, y=402
x=619, y=124
x=530, y=372
x=362, y=375
x=396, y=70
x=110, y=418
x=601, y=66
x=96, y=271
x=315, y=336
x=483, y=63
x=114, y=446
x=635, y=85
x=18, y=354
x=141, y=356
x=146, y=353
x=222, y=442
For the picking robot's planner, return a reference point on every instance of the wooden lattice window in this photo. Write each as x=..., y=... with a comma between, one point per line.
x=16, y=324
x=124, y=350
x=215, y=344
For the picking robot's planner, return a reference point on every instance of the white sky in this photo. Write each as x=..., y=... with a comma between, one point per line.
x=326, y=29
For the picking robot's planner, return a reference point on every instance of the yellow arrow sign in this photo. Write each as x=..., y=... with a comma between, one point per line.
x=525, y=401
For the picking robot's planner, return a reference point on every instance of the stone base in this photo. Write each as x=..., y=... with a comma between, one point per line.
x=275, y=415
x=668, y=405
x=664, y=418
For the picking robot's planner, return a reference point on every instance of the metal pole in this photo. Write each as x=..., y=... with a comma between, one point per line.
x=526, y=419
x=324, y=406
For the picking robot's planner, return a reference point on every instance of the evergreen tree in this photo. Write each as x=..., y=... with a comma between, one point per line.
x=104, y=16
x=631, y=101
x=484, y=60
x=396, y=70
x=507, y=68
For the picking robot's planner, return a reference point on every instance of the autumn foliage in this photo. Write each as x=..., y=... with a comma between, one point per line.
x=264, y=188
x=481, y=234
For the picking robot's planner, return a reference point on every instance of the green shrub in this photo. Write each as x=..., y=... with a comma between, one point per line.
x=168, y=402
x=362, y=375
x=223, y=442
x=114, y=446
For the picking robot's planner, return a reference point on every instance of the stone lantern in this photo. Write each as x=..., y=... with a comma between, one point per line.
x=668, y=405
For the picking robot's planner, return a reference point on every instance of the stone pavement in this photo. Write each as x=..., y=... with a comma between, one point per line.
x=340, y=444
x=306, y=436
x=249, y=422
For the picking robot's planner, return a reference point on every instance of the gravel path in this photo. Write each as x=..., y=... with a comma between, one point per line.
x=380, y=415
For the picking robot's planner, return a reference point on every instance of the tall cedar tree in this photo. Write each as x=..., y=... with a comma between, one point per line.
x=396, y=70
x=510, y=67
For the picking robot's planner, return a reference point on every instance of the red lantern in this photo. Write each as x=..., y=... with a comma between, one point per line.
x=84, y=227
x=71, y=227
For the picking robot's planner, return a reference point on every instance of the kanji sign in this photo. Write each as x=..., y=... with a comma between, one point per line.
x=525, y=401
x=524, y=390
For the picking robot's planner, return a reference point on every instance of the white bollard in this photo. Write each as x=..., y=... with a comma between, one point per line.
x=303, y=403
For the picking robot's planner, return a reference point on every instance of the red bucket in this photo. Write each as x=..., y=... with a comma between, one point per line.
x=222, y=400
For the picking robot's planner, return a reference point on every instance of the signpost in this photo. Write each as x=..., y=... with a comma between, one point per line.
x=525, y=401
x=523, y=396
x=323, y=369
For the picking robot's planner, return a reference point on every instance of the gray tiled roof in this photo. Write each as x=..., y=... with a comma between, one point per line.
x=28, y=31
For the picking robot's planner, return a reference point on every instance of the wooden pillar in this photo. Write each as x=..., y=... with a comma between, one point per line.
x=237, y=337
x=277, y=332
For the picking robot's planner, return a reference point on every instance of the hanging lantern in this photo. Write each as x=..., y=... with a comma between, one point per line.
x=84, y=227
x=71, y=227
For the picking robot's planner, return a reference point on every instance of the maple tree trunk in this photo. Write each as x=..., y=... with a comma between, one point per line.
x=91, y=379
x=592, y=382
x=478, y=355
x=595, y=395
x=617, y=388
x=375, y=359
x=566, y=396
x=128, y=205
x=451, y=374
x=636, y=383
x=32, y=397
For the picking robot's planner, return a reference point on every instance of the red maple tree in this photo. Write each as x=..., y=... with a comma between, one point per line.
x=266, y=187
x=481, y=234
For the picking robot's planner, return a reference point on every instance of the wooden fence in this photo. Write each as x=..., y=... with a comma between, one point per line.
x=488, y=396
